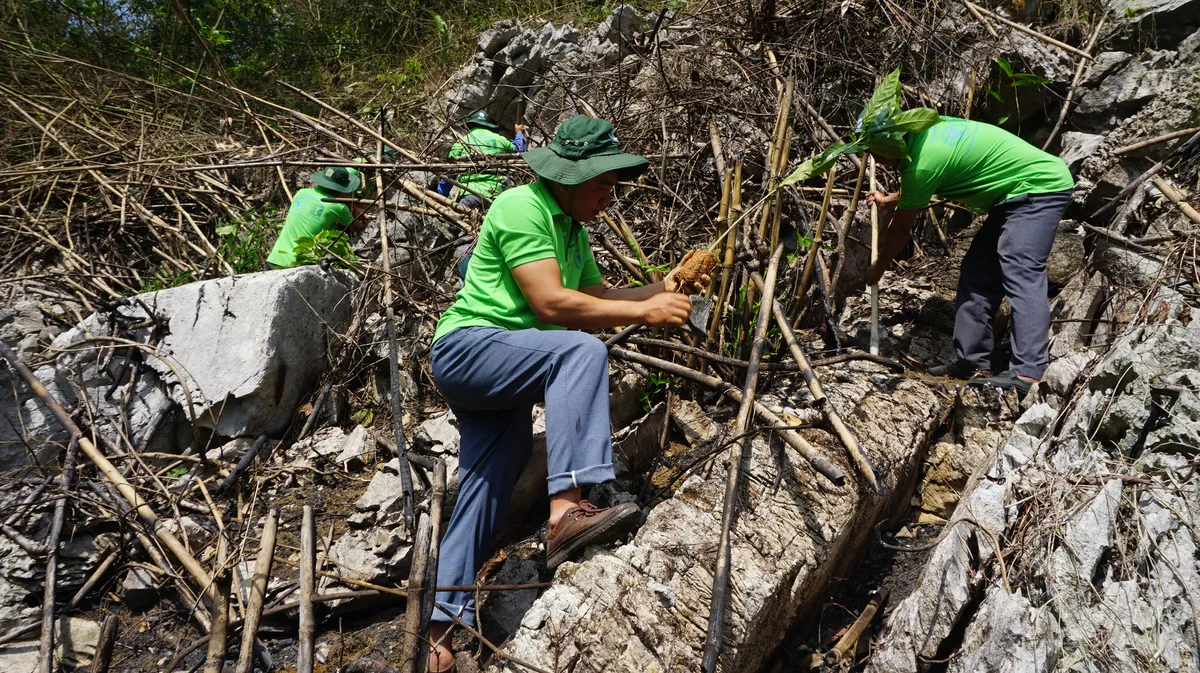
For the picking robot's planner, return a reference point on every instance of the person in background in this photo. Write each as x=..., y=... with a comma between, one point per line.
x=1024, y=192
x=483, y=138
x=309, y=214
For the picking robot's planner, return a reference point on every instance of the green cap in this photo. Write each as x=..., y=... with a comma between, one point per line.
x=338, y=179
x=582, y=149
x=481, y=118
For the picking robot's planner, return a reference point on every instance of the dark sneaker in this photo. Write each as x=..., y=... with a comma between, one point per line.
x=586, y=525
x=1004, y=380
x=959, y=369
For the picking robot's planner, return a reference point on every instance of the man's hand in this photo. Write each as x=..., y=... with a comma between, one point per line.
x=666, y=309
x=875, y=272
x=878, y=198
x=671, y=285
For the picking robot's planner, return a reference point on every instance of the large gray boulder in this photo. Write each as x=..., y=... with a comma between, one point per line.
x=237, y=352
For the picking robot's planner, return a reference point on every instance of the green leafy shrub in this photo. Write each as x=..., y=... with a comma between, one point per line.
x=328, y=243
x=880, y=130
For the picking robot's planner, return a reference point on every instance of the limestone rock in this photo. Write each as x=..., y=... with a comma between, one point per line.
x=1008, y=635
x=1078, y=146
x=1119, y=84
x=138, y=589
x=1067, y=255
x=438, y=434
x=642, y=606
x=357, y=449
x=75, y=641
x=376, y=554
x=503, y=611
x=247, y=347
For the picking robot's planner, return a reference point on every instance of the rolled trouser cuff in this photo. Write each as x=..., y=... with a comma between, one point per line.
x=442, y=611
x=596, y=474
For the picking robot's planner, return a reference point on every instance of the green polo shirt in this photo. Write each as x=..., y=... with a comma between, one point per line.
x=977, y=165
x=482, y=141
x=308, y=216
x=523, y=225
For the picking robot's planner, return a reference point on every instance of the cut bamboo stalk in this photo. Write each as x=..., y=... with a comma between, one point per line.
x=874, y=258
x=110, y=472
x=46, y=644
x=1155, y=140
x=846, y=643
x=718, y=152
x=727, y=264
x=104, y=648
x=214, y=662
x=413, y=638
x=393, y=357
x=258, y=591
x=722, y=217
x=777, y=212
x=1174, y=196
x=815, y=247
x=436, y=504
x=308, y=559
x=818, y=393
x=720, y=589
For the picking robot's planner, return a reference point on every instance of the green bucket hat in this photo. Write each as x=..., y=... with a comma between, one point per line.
x=338, y=179
x=582, y=149
x=481, y=118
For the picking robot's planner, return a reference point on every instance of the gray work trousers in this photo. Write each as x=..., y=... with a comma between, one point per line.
x=491, y=379
x=1008, y=257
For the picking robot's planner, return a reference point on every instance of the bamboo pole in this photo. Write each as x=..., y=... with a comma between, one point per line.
x=727, y=264
x=874, y=258
x=46, y=643
x=104, y=648
x=393, y=358
x=258, y=592
x=308, y=559
x=818, y=393
x=110, y=472
x=720, y=589
x=413, y=638
x=214, y=661
x=790, y=437
x=1174, y=196
x=1155, y=140
x=814, y=249
x=436, y=504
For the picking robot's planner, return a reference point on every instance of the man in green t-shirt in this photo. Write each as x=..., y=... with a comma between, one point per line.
x=1025, y=192
x=309, y=214
x=483, y=139
x=511, y=340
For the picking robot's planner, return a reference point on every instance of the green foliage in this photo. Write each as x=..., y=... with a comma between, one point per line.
x=245, y=244
x=164, y=279
x=880, y=130
x=657, y=383
x=363, y=416
x=1014, y=80
x=1017, y=79
x=327, y=243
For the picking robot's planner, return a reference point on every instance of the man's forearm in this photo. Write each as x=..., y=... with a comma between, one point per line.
x=898, y=232
x=633, y=293
x=577, y=310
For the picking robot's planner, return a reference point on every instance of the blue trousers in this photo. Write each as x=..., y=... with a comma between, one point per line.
x=491, y=379
x=1008, y=257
